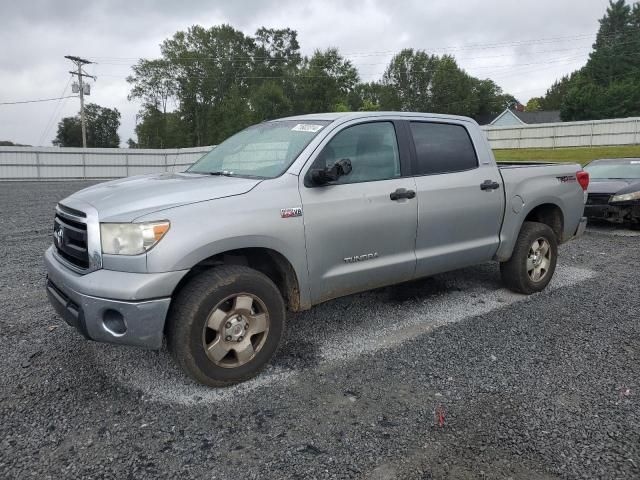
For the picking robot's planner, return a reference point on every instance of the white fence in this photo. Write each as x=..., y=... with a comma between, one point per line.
x=619, y=131
x=54, y=163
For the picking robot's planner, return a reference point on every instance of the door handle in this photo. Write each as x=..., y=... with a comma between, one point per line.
x=402, y=193
x=489, y=185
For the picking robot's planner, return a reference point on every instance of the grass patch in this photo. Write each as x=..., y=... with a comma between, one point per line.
x=571, y=154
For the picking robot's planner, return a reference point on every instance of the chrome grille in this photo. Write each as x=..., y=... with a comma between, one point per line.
x=70, y=236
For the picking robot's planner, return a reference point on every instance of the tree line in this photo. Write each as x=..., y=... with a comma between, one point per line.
x=608, y=86
x=212, y=82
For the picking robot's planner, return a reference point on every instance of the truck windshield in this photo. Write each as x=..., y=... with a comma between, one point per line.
x=265, y=150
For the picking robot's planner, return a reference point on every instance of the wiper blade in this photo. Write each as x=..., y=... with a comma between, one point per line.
x=223, y=173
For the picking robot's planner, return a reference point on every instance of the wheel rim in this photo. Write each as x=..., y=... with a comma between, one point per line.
x=539, y=259
x=236, y=330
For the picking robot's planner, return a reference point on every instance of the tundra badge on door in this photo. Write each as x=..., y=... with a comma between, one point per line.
x=361, y=258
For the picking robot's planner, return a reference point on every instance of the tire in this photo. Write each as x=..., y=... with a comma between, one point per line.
x=224, y=309
x=530, y=270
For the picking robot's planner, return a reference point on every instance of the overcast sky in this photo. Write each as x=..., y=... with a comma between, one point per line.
x=522, y=45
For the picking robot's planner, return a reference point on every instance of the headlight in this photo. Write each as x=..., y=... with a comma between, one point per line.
x=626, y=197
x=131, y=238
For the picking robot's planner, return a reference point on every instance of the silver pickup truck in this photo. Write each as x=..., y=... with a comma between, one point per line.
x=294, y=212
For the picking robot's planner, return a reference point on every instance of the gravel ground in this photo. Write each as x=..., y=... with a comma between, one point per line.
x=449, y=377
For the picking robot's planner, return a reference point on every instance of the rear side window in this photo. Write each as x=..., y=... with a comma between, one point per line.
x=442, y=148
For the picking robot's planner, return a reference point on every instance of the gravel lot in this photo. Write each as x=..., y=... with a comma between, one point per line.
x=539, y=387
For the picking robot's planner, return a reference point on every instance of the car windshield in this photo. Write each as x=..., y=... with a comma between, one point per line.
x=614, y=169
x=265, y=150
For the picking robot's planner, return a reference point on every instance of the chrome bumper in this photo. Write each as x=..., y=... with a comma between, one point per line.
x=109, y=306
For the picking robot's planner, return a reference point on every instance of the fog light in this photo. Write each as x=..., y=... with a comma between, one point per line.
x=114, y=323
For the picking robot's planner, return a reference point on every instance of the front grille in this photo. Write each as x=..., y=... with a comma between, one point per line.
x=71, y=211
x=70, y=238
x=598, y=199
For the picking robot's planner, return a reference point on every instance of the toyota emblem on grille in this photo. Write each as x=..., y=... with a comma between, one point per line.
x=58, y=234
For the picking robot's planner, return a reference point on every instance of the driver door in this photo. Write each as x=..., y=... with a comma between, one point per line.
x=357, y=236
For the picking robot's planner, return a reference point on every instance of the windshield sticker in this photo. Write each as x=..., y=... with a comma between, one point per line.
x=306, y=127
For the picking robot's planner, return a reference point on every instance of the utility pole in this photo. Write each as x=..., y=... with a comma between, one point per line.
x=79, y=62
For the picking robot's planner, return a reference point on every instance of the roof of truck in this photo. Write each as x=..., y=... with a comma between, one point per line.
x=333, y=116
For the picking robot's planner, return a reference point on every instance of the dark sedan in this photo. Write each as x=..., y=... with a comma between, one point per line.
x=614, y=191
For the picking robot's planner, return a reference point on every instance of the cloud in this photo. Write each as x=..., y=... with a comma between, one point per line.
x=482, y=35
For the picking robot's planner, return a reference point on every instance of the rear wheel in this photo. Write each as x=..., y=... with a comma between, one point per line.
x=225, y=325
x=533, y=260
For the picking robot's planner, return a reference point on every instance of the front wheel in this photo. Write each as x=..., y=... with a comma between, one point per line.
x=225, y=325
x=533, y=260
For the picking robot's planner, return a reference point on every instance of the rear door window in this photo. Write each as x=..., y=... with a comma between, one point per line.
x=442, y=148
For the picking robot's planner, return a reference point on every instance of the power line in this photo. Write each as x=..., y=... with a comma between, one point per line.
x=367, y=74
x=583, y=50
x=479, y=46
x=505, y=69
x=54, y=113
x=39, y=100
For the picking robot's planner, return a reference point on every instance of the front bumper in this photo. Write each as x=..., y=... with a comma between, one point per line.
x=618, y=214
x=109, y=306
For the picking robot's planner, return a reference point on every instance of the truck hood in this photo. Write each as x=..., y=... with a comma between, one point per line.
x=126, y=199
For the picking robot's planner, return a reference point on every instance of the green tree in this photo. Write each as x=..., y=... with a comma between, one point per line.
x=534, y=104
x=367, y=96
x=614, y=43
x=102, y=128
x=452, y=89
x=211, y=82
x=408, y=79
x=277, y=59
x=207, y=64
x=269, y=101
x=607, y=85
x=590, y=101
x=490, y=98
x=277, y=51
x=417, y=81
x=230, y=116
x=161, y=130
x=154, y=83
x=324, y=81
x=555, y=94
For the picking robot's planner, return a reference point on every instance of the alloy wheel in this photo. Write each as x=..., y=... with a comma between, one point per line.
x=539, y=259
x=236, y=330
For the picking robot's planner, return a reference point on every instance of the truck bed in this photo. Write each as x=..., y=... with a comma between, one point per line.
x=526, y=182
x=532, y=163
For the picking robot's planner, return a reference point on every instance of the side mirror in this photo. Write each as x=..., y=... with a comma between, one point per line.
x=331, y=174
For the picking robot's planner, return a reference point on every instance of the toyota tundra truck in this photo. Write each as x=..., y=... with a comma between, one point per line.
x=293, y=212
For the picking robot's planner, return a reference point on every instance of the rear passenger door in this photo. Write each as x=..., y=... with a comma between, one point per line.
x=458, y=221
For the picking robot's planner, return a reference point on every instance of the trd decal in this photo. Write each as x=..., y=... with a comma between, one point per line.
x=567, y=179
